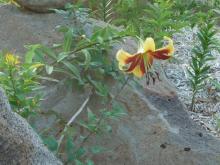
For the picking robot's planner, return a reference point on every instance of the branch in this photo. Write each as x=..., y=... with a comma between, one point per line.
x=72, y=120
x=102, y=117
x=81, y=48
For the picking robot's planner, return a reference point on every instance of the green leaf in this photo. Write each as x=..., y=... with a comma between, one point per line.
x=31, y=53
x=51, y=143
x=73, y=69
x=191, y=73
x=91, y=116
x=92, y=122
x=205, y=69
x=101, y=88
x=48, y=79
x=49, y=69
x=68, y=39
x=97, y=149
x=89, y=162
x=216, y=84
x=80, y=152
x=87, y=58
x=49, y=52
x=71, y=131
x=117, y=111
x=77, y=162
x=62, y=56
x=69, y=148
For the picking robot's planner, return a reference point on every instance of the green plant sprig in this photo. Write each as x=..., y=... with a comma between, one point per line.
x=21, y=83
x=88, y=46
x=202, y=54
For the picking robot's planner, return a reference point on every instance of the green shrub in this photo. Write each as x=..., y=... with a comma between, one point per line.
x=21, y=82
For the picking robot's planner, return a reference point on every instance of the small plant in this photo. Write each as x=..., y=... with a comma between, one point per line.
x=20, y=81
x=155, y=19
x=128, y=13
x=202, y=55
x=104, y=10
x=160, y=19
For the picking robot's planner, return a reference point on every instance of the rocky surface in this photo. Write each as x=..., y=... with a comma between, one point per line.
x=19, y=144
x=38, y=28
x=42, y=5
x=207, y=110
x=157, y=129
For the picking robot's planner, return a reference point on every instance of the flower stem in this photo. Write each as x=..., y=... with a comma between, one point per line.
x=192, y=106
x=13, y=83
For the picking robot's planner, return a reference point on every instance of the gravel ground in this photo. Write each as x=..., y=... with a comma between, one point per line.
x=207, y=108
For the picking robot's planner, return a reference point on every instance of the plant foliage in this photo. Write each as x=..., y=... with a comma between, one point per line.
x=82, y=60
x=21, y=81
x=202, y=56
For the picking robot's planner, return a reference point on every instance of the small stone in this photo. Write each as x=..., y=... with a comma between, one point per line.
x=163, y=146
x=200, y=134
x=187, y=149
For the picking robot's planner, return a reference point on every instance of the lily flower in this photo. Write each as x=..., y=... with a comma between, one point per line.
x=140, y=62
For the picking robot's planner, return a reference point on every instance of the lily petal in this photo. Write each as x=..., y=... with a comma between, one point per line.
x=142, y=66
x=165, y=52
x=147, y=62
x=149, y=45
x=122, y=57
x=138, y=72
x=161, y=54
x=134, y=61
x=170, y=46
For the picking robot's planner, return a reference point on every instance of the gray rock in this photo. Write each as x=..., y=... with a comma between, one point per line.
x=22, y=28
x=19, y=144
x=157, y=129
x=42, y=5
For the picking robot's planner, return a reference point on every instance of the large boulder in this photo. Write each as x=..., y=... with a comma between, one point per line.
x=42, y=5
x=157, y=129
x=19, y=143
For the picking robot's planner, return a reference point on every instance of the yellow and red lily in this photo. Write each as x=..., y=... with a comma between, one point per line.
x=140, y=62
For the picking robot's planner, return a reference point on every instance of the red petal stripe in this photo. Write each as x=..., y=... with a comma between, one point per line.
x=131, y=59
x=142, y=66
x=161, y=54
x=134, y=63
